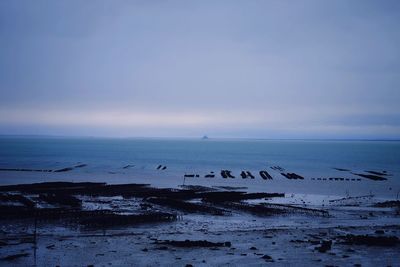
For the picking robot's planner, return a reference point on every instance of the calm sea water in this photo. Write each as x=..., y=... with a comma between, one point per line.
x=105, y=159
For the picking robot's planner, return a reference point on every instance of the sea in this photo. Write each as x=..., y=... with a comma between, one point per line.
x=165, y=162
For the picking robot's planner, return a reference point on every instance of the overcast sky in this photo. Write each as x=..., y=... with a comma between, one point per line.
x=264, y=69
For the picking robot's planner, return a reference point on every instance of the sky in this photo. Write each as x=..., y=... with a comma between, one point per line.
x=246, y=69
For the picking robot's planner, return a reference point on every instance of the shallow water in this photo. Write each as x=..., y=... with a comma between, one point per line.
x=105, y=159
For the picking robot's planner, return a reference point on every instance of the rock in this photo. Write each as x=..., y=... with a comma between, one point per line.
x=325, y=246
x=266, y=257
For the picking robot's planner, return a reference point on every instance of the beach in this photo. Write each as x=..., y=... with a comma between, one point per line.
x=75, y=224
x=80, y=202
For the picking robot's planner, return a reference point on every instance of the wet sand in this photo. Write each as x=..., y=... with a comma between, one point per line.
x=96, y=224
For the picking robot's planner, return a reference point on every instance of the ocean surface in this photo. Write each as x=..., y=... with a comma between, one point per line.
x=105, y=160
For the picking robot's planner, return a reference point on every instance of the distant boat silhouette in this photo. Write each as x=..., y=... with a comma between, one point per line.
x=205, y=137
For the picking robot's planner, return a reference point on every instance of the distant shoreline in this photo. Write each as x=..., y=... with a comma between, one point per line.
x=10, y=136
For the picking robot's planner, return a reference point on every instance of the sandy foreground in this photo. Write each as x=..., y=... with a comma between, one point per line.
x=109, y=226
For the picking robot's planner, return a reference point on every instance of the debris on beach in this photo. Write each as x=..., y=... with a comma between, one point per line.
x=324, y=246
x=186, y=206
x=104, y=219
x=223, y=196
x=161, y=167
x=193, y=243
x=128, y=166
x=265, y=175
x=381, y=241
x=15, y=256
x=353, y=200
x=246, y=174
x=210, y=175
x=66, y=169
x=227, y=174
x=24, y=170
x=388, y=204
x=370, y=176
x=382, y=173
x=61, y=199
x=16, y=198
x=292, y=176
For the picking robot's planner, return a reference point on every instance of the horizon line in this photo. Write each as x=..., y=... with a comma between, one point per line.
x=192, y=137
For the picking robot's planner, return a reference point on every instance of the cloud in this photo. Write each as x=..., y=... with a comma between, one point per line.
x=175, y=67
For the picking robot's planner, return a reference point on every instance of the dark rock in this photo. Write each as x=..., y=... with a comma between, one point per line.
x=325, y=246
x=266, y=257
